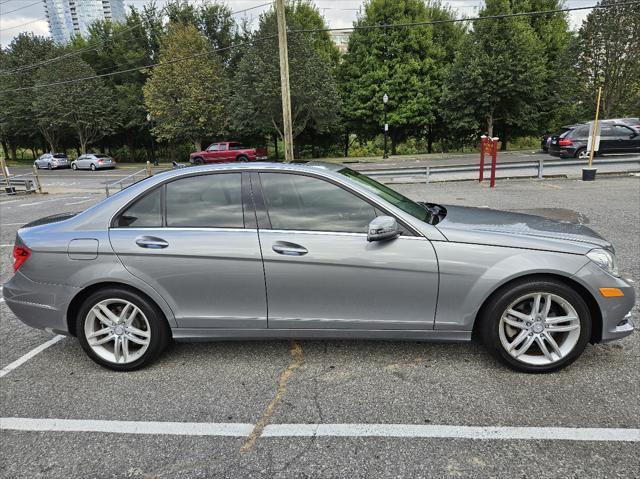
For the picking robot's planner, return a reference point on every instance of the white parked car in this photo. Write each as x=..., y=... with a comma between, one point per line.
x=52, y=160
x=93, y=161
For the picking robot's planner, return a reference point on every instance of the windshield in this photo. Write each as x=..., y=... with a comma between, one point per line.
x=387, y=194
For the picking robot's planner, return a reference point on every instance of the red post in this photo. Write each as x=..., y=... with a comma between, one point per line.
x=494, y=158
x=483, y=145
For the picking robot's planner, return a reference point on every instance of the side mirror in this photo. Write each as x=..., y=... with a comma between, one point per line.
x=383, y=228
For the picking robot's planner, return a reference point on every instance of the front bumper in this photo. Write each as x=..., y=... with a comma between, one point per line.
x=39, y=305
x=617, y=321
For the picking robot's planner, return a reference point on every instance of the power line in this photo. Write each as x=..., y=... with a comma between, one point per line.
x=102, y=42
x=168, y=62
x=361, y=27
x=20, y=8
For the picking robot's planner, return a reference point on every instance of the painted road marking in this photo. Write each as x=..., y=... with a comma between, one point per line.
x=34, y=203
x=78, y=202
x=23, y=359
x=323, y=430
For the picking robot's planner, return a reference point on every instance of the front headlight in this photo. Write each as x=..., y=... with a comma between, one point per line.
x=605, y=259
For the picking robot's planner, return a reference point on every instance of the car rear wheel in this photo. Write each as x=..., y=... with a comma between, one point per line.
x=242, y=158
x=536, y=326
x=93, y=167
x=121, y=330
x=582, y=154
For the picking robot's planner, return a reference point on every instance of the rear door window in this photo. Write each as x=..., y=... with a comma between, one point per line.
x=144, y=213
x=205, y=201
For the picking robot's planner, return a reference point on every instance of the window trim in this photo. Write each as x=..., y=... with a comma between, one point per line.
x=246, y=206
x=262, y=211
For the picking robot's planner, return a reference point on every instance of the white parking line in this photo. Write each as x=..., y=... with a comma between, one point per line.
x=324, y=430
x=23, y=359
x=78, y=202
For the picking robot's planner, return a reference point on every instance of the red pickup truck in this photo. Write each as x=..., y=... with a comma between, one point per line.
x=227, y=151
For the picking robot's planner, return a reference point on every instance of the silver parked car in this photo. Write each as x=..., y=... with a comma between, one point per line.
x=198, y=253
x=93, y=161
x=52, y=160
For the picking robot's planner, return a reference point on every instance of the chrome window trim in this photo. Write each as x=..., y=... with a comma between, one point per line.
x=333, y=233
x=185, y=228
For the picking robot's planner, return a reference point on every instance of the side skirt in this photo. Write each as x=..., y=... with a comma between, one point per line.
x=209, y=334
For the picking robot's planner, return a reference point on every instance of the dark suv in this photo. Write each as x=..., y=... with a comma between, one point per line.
x=614, y=138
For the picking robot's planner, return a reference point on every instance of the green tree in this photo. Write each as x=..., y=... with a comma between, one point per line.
x=16, y=113
x=397, y=61
x=497, y=79
x=186, y=98
x=85, y=106
x=609, y=46
x=315, y=102
x=558, y=104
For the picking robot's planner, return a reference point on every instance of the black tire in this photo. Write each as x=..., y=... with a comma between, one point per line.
x=93, y=167
x=579, y=151
x=74, y=167
x=490, y=321
x=36, y=165
x=242, y=158
x=198, y=161
x=49, y=166
x=160, y=331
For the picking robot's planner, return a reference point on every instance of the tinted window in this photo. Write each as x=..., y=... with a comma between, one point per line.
x=235, y=146
x=622, y=130
x=146, y=212
x=207, y=201
x=297, y=202
x=59, y=155
x=99, y=155
x=580, y=132
x=607, y=131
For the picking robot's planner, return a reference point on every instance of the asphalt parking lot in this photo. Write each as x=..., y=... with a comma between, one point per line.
x=238, y=409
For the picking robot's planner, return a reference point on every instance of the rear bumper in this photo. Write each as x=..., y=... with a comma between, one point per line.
x=39, y=305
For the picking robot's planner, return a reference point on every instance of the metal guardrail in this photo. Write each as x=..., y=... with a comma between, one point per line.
x=539, y=164
x=132, y=178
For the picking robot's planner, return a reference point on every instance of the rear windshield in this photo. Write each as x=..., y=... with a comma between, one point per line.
x=101, y=156
x=59, y=155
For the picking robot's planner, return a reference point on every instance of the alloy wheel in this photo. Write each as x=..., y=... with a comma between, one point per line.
x=583, y=154
x=117, y=331
x=539, y=328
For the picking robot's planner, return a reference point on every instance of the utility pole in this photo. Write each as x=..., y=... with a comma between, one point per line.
x=284, y=82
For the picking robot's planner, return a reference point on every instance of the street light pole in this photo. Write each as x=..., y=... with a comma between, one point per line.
x=385, y=99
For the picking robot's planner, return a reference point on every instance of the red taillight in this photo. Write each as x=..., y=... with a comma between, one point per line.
x=564, y=142
x=20, y=255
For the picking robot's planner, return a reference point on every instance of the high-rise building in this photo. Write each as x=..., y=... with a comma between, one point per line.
x=68, y=18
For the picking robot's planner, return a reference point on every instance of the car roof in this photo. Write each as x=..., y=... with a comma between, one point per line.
x=262, y=165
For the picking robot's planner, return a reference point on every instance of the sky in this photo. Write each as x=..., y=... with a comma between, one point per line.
x=28, y=15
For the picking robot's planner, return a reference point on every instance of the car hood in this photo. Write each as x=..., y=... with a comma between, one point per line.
x=519, y=230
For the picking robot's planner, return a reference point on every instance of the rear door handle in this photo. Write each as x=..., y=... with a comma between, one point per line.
x=151, y=242
x=289, y=249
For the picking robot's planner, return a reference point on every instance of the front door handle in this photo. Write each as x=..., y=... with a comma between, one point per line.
x=151, y=242
x=289, y=249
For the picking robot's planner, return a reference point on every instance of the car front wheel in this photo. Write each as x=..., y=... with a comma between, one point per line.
x=536, y=326
x=121, y=330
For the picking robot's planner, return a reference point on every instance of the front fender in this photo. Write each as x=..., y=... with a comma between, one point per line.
x=470, y=273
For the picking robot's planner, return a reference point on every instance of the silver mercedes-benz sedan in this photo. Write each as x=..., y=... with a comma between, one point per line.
x=260, y=251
